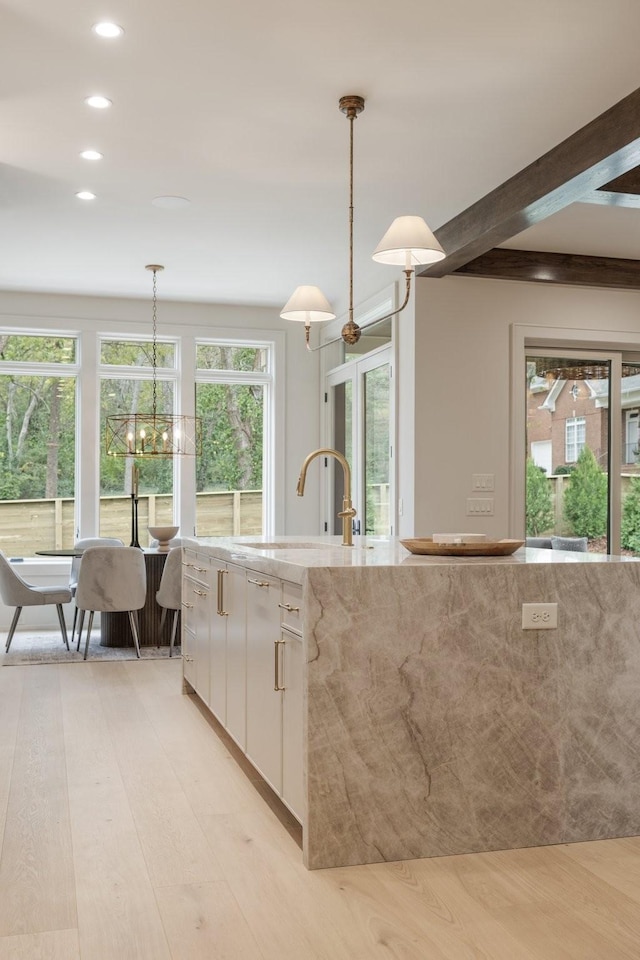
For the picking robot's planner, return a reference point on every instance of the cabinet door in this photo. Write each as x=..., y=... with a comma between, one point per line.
x=233, y=582
x=218, y=632
x=189, y=655
x=264, y=702
x=201, y=595
x=292, y=680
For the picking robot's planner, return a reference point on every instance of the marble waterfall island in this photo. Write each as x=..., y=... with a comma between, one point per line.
x=432, y=723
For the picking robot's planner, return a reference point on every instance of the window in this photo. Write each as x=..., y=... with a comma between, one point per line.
x=126, y=385
x=575, y=437
x=361, y=409
x=233, y=398
x=56, y=391
x=37, y=441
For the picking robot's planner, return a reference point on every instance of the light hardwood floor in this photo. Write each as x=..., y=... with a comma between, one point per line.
x=129, y=832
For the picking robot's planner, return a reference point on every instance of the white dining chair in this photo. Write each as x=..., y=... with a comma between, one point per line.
x=17, y=593
x=169, y=595
x=82, y=544
x=111, y=581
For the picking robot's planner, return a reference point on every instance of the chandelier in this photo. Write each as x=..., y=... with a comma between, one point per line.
x=407, y=243
x=559, y=368
x=153, y=434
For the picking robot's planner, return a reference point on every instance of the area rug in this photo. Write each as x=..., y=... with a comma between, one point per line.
x=49, y=648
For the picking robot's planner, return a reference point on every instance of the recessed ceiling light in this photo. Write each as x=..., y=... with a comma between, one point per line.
x=100, y=103
x=91, y=155
x=170, y=203
x=108, y=30
x=85, y=195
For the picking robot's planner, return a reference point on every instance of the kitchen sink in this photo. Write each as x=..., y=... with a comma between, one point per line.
x=284, y=546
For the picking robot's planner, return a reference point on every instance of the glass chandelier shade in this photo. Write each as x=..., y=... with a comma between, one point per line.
x=153, y=434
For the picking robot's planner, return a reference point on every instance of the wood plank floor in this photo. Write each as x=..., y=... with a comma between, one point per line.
x=129, y=832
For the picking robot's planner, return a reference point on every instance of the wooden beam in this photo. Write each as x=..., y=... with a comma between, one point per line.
x=628, y=183
x=540, y=267
x=598, y=153
x=608, y=198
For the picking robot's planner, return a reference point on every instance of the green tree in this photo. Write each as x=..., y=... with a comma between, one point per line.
x=585, y=499
x=631, y=517
x=539, y=502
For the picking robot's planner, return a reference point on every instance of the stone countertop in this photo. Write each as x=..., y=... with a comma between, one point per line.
x=289, y=557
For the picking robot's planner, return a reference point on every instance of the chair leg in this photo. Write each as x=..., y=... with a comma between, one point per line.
x=63, y=626
x=75, y=620
x=89, y=625
x=163, y=617
x=174, y=629
x=80, y=625
x=133, y=620
x=12, y=628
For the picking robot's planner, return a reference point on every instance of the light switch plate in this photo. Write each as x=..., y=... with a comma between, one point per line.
x=483, y=482
x=479, y=506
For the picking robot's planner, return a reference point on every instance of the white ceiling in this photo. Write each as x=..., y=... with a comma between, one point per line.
x=234, y=106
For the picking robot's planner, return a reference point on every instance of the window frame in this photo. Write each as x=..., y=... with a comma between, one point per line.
x=88, y=334
x=572, y=424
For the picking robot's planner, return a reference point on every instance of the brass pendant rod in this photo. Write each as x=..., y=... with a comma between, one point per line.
x=352, y=117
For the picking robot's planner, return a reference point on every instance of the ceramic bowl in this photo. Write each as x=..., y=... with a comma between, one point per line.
x=163, y=535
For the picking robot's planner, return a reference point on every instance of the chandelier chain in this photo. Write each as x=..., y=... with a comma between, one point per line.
x=155, y=337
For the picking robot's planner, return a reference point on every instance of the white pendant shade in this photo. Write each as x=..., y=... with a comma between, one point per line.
x=307, y=304
x=408, y=241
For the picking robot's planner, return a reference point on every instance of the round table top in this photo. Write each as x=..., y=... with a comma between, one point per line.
x=78, y=551
x=60, y=553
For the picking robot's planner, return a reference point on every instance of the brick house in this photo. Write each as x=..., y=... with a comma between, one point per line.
x=565, y=415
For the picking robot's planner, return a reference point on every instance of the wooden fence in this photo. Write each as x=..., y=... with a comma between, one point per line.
x=30, y=525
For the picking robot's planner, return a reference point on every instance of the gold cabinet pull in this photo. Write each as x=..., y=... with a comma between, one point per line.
x=221, y=611
x=187, y=657
x=200, y=593
x=276, y=664
x=188, y=605
x=259, y=583
x=200, y=569
x=287, y=606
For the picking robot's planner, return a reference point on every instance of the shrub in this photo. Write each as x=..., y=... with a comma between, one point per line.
x=585, y=499
x=631, y=517
x=539, y=504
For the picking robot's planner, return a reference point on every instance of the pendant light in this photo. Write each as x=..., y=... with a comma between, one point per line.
x=153, y=434
x=407, y=243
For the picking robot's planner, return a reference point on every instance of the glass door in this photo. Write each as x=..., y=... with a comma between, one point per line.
x=583, y=450
x=360, y=399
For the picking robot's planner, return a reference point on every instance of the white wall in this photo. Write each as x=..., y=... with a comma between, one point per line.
x=455, y=387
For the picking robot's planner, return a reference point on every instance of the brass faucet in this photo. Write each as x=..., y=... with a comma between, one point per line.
x=347, y=513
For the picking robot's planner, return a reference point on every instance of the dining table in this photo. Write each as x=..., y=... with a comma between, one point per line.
x=115, y=629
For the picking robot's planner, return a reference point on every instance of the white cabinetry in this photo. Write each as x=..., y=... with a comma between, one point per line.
x=196, y=605
x=275, y=665
x=228, y=649
x=243, y=655
x=264, y=704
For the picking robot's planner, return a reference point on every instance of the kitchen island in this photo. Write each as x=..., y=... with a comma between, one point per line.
x=424, y=720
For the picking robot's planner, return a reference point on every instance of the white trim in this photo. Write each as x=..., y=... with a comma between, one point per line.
x=582, y=344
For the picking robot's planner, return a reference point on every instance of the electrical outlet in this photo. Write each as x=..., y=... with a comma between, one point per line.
x=539, y=616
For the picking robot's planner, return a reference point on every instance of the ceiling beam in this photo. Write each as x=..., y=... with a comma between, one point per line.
x=567, y=268
x=595, y=155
